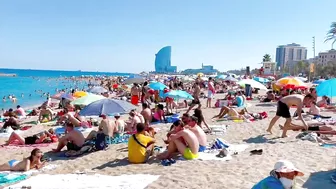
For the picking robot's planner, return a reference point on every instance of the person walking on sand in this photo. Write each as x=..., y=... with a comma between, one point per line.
x=211, y=92
x=283, y=110
x=135, y=94
x=196, y=95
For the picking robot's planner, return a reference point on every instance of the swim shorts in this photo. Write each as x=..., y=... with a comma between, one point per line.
x=189, y=155
x=283, y=110
x=210, y=94
x=195, y=101
x=72, y=146
x=201, y=148
x=313, y=128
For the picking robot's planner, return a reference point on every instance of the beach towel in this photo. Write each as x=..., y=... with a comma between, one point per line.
x=8, y=132
x=60, y=130
x=80, y=181
x=218, y=129
x=7, y=178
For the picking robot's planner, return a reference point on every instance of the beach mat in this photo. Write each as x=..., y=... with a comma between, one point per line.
x=81, y=181
x=60, y=130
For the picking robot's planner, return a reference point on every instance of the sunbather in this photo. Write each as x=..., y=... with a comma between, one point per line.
x=43, y=137
x=233, y=114
x=46, y=114
x=11, y=122
x=134, y=119
x=189, y=151
x=198, y=131
x=73, y=139
x=106, y=127
x=320, y=129
x=32, y=162
x=200, y=118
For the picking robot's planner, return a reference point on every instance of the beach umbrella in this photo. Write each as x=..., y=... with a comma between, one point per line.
x=319, y=81
x=107, y=107
x=88, y=99
x=261, y=79
x=290, y=83
x=178, y=94
x=157, y=86
x=327, y=88
x=134, y=79
x=57, y=96
x=230, y=78
x=221, y=76
x=302, y=79
x=79, y=94
x=67, y=96
x=252, y=83
x=98, y=90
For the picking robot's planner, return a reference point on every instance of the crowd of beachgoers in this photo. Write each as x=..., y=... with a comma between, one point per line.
x=164, y=120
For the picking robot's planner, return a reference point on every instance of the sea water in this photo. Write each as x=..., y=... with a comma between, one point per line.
x=31, y=86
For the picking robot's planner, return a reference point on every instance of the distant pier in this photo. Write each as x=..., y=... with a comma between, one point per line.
x=7, y=75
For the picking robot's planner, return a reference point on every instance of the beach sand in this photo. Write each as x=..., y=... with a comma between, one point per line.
x=243, y=171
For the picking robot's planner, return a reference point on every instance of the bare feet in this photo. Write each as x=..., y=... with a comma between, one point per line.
x=284, y=136
x=270, y=131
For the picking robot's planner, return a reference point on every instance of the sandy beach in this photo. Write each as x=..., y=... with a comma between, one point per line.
x=243, y=171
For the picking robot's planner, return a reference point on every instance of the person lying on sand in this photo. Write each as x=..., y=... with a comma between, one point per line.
x=281, y=177
x=43, y=137
x=105, y=127
x=319, y=129
x=32, y=162
x=70, y=117
x=185, y=141
x=73, y=139
x=140, y=146
x=283, y=110
x=270, y=96
x=46, y=114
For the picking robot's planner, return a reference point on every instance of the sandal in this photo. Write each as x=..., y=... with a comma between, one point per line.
x=256, y=152
x=165, y=162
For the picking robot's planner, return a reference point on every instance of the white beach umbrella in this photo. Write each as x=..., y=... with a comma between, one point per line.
x=230, y=78
x=253, y=83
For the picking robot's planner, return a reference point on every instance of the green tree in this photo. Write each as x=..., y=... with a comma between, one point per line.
x=300, y=66
x=267, y=58
x=331, y=35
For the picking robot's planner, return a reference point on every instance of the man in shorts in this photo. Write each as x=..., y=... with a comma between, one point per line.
x=196, y=95
x=283, y=110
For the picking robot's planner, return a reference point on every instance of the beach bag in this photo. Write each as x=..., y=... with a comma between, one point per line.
x=219, y=144
x=100, y=143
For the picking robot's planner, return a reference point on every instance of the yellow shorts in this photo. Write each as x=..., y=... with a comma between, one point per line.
x=189, y=155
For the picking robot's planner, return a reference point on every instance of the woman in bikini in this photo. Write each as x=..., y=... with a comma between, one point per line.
x=32, y=162
x=44, y=137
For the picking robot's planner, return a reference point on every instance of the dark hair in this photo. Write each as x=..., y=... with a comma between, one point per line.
x=198, y=113
x=140, y=127
x=69, y=124
x=160, y=106
x=194, y=118
x=177, y=123
x=210, y=78
x=18, y=106
x=145, y=83
x=309, y=96
x=186, y=115
x=144, y=105
x=10, y=110
x=33, y=153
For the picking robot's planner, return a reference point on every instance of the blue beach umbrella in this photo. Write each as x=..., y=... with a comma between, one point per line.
x=261, y=79
x=157, y=86
x=107, y=107
x=221, y=76
x=178, y=94
x=319, y=81
x=327, y=88
x=97, y=90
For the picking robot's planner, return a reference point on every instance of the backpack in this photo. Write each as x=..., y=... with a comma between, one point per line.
x=100, y=143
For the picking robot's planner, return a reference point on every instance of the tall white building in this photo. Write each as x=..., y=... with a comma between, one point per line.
x=287, y=54
x=325, y=57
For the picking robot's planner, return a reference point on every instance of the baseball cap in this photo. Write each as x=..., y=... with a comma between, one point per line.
x=285, y=166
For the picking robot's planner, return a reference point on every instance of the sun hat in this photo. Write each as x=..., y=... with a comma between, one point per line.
x=285, y=166
x=117, y=115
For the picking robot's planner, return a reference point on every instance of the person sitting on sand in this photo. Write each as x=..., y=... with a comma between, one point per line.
x=43, y=137
x=46, y=114
x=324, y=102
x=159, y=115
x=20, y=111
x=73, y=139
x=198, y=113
x=119, y=127
x=70, y=117
x=198, y=131
x=134, y=119
x=140, y=146
x=105, y=127
x=147, y=114
x=270, y=96
x=283, y=110
x=10, y=113
x=32, y=162
x=314, y=109
x=188, y=146
x=11, y=122
x=281, y=177
x=185, y=118
x=231, y=112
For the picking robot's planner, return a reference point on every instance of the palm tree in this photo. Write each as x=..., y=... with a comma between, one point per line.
x=331, y=35
x=267, y=58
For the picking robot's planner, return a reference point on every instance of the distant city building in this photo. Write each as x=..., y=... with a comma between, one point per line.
x=312, y=60
x=163, y=61
x=325, y=57
x=268, y=68
x=286, y=54
x=208, y=70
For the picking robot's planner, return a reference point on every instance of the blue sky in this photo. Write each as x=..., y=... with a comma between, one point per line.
x=124, y=35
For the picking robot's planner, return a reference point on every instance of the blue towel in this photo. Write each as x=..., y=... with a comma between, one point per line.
x=118, y=140
x=11, y=178
x=329, y=145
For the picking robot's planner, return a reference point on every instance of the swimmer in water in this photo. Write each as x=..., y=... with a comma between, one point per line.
x=22, y=95
x=13, y=99
x=4, y=99
x=30, y=95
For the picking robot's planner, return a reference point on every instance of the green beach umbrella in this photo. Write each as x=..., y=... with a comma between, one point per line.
x=88, y=99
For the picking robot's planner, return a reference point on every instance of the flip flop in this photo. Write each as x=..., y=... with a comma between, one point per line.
x=256, y=152
x=172, y=161
x=165, y=162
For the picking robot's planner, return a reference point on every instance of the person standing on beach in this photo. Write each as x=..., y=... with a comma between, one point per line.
x=196, y=95
x=283, y=110
x=135, y=94
x=211, y=92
